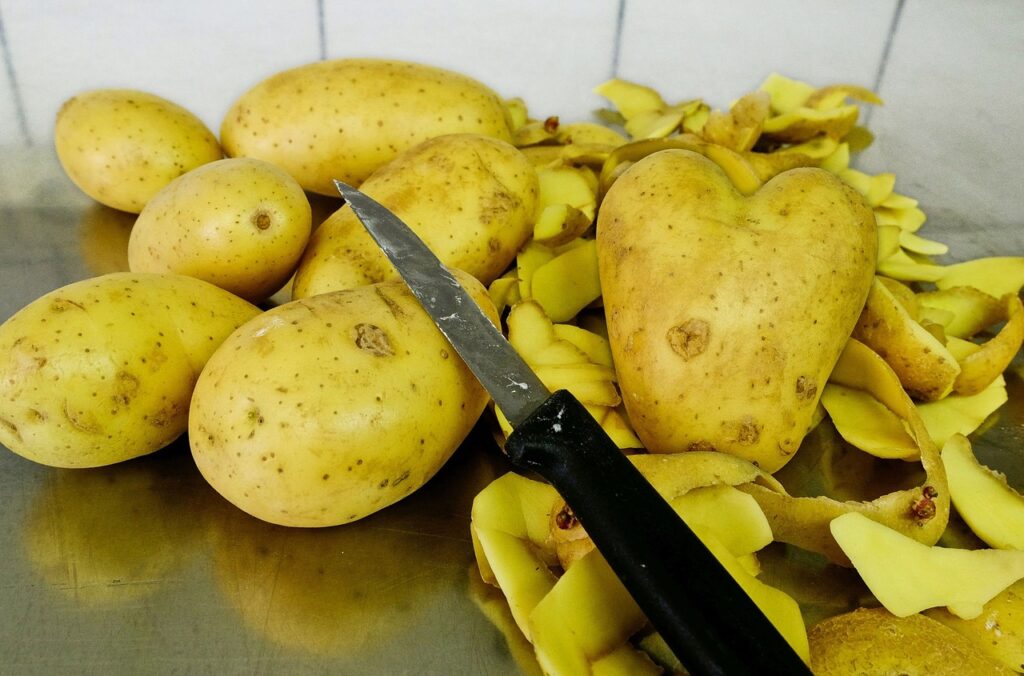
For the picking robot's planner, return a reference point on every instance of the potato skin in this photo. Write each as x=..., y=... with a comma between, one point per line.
x=345, y=118
x=121, y=146
x=469, y=197
x=726, y=313
x=102, y=370
x=873, y=641
x=326, y=409
x=241, y=224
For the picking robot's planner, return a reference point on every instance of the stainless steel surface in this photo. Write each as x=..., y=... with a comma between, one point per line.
x=141, y=568
x=516, y=389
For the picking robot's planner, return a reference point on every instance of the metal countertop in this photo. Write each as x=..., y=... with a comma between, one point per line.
x=141, y=568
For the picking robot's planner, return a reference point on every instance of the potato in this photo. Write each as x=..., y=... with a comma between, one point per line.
x=998, y=632
x=102, y=370
x=241, y=224
x=343, y=119
x=726, y=313
x=121, y=146
x=327, y=409
x=469, y=197
x=872, y=641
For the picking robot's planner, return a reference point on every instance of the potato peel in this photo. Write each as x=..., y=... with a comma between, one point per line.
x=981, y=367
x=920, y=513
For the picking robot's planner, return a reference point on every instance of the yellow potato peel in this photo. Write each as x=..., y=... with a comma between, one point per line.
x=982, y=366
x=923, y=364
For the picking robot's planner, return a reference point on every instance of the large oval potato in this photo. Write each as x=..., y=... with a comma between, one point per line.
x=121, y=146
x=239, y=223
x=469, y=197
x=327, y=409
x=102, y=370
x=726, y=313
x=343, y=119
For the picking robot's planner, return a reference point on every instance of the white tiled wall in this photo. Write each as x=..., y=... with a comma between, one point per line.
x=10, y=127
x=953, y=125
x=720, y=50
x=201, y=54
x=951, y=129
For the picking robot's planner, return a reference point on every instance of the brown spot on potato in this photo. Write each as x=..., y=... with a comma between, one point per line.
x=495, y=205
x=62, y=304
x=393, y=307
x=806, y=388
x=374, y=340
x=10, y=427
x=690, y=338
x=126, y=386
x=261, y=219
x=746, y=431
x=165, y=416
x=79, y=422
x=701, y=445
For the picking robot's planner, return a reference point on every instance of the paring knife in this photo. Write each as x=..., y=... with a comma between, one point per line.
x=707, y=620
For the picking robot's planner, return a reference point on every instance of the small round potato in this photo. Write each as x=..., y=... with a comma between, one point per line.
x=102, y=370
x=343, y=119
x=121, y=146
x=241, y=224
x=326, y=409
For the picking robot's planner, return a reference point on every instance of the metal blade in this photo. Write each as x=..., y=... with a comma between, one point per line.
x=516, y=389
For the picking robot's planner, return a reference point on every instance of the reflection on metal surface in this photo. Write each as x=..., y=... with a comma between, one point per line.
x=103, y=235
x=1002, y=444
x=115, y=534
x=821, y=588
x=827, y=465
x=350, y=589
x=343, y=590
x=494, y=607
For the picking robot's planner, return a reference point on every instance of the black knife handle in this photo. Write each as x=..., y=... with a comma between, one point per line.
x=707, y=619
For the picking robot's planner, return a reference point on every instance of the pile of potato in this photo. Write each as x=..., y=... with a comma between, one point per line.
x=712, y=285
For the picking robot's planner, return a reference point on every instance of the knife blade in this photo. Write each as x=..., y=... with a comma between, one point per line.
x=706, y=618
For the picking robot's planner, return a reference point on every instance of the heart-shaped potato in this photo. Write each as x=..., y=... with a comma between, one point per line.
x=726, y=313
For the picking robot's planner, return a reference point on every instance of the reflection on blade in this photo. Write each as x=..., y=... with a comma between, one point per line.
x=513, y=385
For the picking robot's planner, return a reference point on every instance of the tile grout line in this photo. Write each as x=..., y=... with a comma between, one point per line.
x=322, y=30
x=19, y=104
x=617, y=40
x=886, y=51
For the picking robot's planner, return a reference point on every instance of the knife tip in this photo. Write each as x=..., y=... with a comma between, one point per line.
x=343, y=188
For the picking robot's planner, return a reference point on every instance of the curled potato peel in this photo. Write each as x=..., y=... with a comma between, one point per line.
x=924, y=365
x=982, y=366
